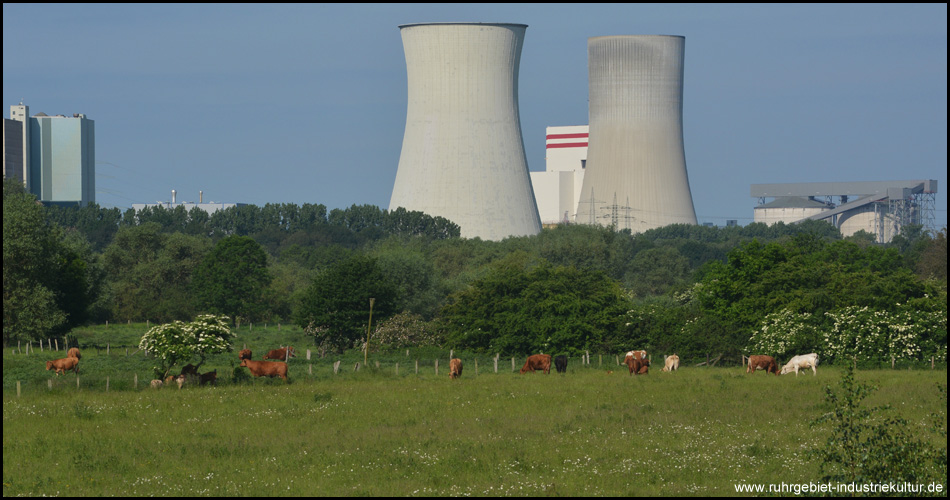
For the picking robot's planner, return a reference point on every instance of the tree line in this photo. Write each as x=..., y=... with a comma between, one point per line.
x=692, y=289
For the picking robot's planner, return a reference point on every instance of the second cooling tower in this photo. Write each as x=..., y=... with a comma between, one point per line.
x=462, y=153
x=636, y=164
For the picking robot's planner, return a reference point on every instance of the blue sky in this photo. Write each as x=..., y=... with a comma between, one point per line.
x=255, y=103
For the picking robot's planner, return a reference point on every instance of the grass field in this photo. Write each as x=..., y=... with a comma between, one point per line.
x=698, y=431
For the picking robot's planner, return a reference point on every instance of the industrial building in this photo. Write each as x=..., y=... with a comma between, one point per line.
x=210, y=207
x=558, y=188
x=462, y=154
x=54, y=156
x=636, y=163
x=880, y=208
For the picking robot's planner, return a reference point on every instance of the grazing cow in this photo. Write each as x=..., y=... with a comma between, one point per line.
x=455, y=368
x=636, y=355
x=803, y=361
x=637, y=366
x=181, y=380
x=537, y=362
x=672, y=363
x=281, y=354
x=244, y=354
x=762, y=362
x=74, y=353
x=63, y=365
x=560, y=364
x=208, y=378
x=266, y=368
x=156, y=384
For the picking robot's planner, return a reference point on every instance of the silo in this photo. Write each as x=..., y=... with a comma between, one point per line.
x=636, y=164
x=462, y=153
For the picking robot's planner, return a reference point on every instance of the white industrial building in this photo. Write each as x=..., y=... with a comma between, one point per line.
x=558, y=188
x=462, y=154
x=636, y=163
x=210, y=207
x=880, y=208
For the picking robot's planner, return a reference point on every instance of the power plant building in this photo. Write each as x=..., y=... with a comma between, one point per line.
x=558, y=188
x=54, y=156
x=881, y=208
x=636, y=163
x=463, y=153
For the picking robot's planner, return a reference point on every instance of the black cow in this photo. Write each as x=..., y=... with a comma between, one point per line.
x=560, y=363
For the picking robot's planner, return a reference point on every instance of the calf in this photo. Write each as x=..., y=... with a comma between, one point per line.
x=266, y=368
x=244, y=354
x=63, y=365
x=281, y=354
x=156, y=384
x=803, y=361
x=637, y=366
x=208, y=378
x=74, y=353
x=560, y=364
x=762, y=362
x=671, y=363
x=537, y=362
x=455, y=368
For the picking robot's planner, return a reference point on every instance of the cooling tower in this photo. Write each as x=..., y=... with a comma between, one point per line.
x=636, y=165
x=462, y=153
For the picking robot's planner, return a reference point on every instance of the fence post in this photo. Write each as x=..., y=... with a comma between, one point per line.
x=17, y=388
x=407, y=353
x=892, y=361
x=451, y=353
x=496, y=364
x=309, y=368
x=437, y=366
x=336, y=367
x=56, y=342
x=512, y=364
x=600, y=360
x=357, y=367
x=476, y=367
x=397, y=369
x=107, y=384
x=417, y=367
x=308, y=354
x=107, y=348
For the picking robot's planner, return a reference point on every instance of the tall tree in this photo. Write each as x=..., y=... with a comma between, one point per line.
x=232, y=279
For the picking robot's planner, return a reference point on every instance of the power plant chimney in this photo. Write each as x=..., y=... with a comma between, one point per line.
x=462, y=153
x=636, y=163
x=173, y=196
x=200, y=196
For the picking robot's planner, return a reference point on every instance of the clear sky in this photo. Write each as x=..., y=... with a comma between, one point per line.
x=255, y=103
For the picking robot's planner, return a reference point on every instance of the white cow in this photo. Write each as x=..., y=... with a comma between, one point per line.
x=802, y=361
x=671, y=363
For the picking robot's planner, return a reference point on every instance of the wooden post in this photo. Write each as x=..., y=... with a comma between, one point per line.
x=892, y=361
x=336, y=367
x=107, y=384
x=407, y=353
x=476, y=367
x=17, y=388
x=309, y=368
x=451, y=353
x=496, y=364
x=417, y=367
x=357, y=367
x=617, y=359
x=436, y=366
x=56, y=341
x=308, y=354
x=41, y=345
x=600, y=360
x=397, y=369
x=135, y=381
x=18, y=346
x=512, y=364
x=107, y=348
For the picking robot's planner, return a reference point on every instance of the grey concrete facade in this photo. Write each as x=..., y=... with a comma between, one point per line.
x=463, y=153
x=636, y=163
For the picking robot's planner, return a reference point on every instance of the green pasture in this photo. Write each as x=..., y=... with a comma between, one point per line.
x=698, y=431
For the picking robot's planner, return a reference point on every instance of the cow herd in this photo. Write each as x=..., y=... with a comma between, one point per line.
x=637, y=362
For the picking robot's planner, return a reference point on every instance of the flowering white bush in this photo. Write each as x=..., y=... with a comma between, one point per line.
x=871, y=334
x=784, y=333
x=176, y=342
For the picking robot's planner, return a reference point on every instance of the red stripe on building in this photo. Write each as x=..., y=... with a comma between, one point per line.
x=565, y=136
x=568, y=145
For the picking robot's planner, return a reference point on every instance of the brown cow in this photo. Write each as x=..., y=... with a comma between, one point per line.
x=189, y=369
x=537, y=362
x=63, y=365
x=244, y=354
x=636, y=355
x=281, y=354
x=763, y=362
x=266, y=368
x=208, y=378
x=455, y=368
x=74, y=353
x=637, y=366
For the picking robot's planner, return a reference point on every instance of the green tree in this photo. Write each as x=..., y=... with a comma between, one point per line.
x=232, y=279
x=336, y=304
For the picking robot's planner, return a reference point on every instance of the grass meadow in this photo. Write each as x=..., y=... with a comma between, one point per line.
x=698, y=431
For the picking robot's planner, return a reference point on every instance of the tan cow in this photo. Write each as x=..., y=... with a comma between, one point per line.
x=156, y=384
x=762, y=362
x=537, y=362
x=455, y=368
x=281, y=354
x=266, y=368
x=74, y=353
x=672, y=363
x=63, y=365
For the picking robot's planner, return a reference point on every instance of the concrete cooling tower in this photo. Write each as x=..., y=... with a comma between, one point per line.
x=462, y=153
x=636, y=164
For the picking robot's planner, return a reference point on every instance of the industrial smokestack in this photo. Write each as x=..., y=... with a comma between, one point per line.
x=173, y=196
x=462, y=153
x=636, y=162
x=200, y=196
